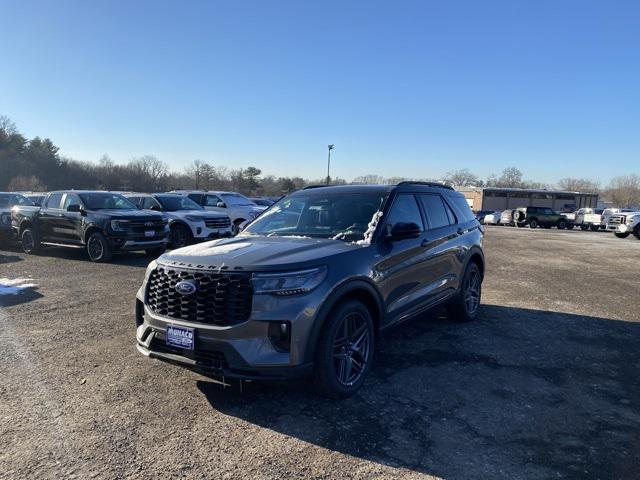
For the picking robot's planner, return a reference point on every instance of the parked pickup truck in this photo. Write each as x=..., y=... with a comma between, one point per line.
x=623, y=224
x=8, y=200
x=589, y=218
x=539, y=217
x=100, y=222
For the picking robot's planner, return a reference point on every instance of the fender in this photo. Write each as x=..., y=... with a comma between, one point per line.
x=343, y=290
x=473, y=251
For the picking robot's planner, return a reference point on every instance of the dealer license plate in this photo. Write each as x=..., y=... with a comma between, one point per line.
x=180, y=337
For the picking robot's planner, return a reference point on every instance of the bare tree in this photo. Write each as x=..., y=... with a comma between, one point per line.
x=369, y=179
x=579, y=185
x=463, y=178
x=26, y=184
x=624, y=191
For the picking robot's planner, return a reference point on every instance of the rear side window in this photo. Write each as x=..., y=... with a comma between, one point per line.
x=436, y=210
x=462, y=207
x=196, y=197
x=148, y=203
x=212, y=201
x=54, y=200
x=405, y=209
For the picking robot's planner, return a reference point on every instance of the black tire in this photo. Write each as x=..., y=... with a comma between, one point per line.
x=98, y=248
x=462, y=308
x=621, y=235
x=562, y=224
x=155, y=252
x=533, y=223
x=570, y=226
x=30, y=241
x=636, y=232
x=594, y=228
x=180, y=236
x=584, y=228
x=335, y=358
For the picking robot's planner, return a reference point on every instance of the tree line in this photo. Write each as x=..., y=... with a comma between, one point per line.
x=35, y=165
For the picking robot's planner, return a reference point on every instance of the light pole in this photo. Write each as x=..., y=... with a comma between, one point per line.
x=330, y=147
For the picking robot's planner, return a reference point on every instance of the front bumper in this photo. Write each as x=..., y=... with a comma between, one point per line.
x=619, y=228
x=127, y=243
x=243, y=350
x=201, y=232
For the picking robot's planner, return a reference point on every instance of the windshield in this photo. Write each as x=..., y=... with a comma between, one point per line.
x=262, y=202
x=236, y=199
x=106, y=201
x=173, y=203
x=12, y=199
x=330, y=215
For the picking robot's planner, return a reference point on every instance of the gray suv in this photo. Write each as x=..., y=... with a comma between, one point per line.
x=308, y=286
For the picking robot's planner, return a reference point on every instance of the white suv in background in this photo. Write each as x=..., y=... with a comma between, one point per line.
x=622, y=224
x=238, y=207
x=188, y=221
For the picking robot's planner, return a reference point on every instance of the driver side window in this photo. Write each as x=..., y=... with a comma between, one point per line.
x=212, y=201
x=405, y=209
x=149, y=203
x=70, y=199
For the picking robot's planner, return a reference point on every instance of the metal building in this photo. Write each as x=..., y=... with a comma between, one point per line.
x=491, y=198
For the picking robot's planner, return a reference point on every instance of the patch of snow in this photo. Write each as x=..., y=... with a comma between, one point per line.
x=371, y=228
x=15, y=286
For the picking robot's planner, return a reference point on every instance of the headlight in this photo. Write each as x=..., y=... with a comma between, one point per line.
x=194, y=218
x=118, y=225
x=150, y=268
x=288, y=283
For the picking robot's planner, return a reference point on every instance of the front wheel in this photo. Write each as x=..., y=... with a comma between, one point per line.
x=533, y=223
x=570, y=226
x=180, y=236
x=30, y=241
x=584, y=228
x=465, y=307
x=562, y=224
x=345, y=350
x=595, y=228
x=621, y=235
x=98, y=248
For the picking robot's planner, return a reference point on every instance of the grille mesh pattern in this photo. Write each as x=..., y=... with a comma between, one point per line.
x=223, y=222
x=220, y=299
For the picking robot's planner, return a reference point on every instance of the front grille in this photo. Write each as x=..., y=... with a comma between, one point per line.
x=222, y=222
x=220, y=298
x=146, y=224
x=618, y=219
x=209, y=359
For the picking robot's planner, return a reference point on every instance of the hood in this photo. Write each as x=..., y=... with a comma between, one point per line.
x=257, y=253
x=126, y=214
x=197, y=213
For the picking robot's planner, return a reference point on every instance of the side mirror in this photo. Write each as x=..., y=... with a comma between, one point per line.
x=404, y=230
x=156, y=208
x=74, y=208
x=221, y=205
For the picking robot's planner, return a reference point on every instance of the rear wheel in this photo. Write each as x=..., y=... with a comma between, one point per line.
x=30, y=241
x=570, y=226
x=98, y=248
x=562, y=224
x=345, y=350
x=621, y=235
x=180, y=236
x=533, y=223
x=466, y=306
x=595, y=228
x=584, y=228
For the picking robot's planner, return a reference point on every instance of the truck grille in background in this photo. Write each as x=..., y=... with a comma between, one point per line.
x=617, y=220
x=220, y=298
x=146, y=224
x=222, y=222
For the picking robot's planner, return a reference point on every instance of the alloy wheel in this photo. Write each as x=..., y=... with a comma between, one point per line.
x=351, y=348
x=472, y=291
x=95, y=248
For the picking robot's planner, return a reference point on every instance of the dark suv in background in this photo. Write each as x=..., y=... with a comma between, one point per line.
x=306, y=288
x=100, y=222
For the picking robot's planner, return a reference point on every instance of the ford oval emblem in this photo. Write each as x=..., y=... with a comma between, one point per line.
x=185, y=287
x=148, y=224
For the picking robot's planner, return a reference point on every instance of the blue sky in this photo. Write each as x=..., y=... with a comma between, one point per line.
x=402, y=88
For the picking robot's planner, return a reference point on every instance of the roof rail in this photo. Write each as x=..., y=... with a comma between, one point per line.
x=309, y=187
x=426, y=184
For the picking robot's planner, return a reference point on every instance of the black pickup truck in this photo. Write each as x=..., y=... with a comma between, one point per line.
x=100, y=222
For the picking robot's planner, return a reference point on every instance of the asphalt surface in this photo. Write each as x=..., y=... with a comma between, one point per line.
x=544, y=385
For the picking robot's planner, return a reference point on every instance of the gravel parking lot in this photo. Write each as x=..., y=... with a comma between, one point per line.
x=545, y=385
